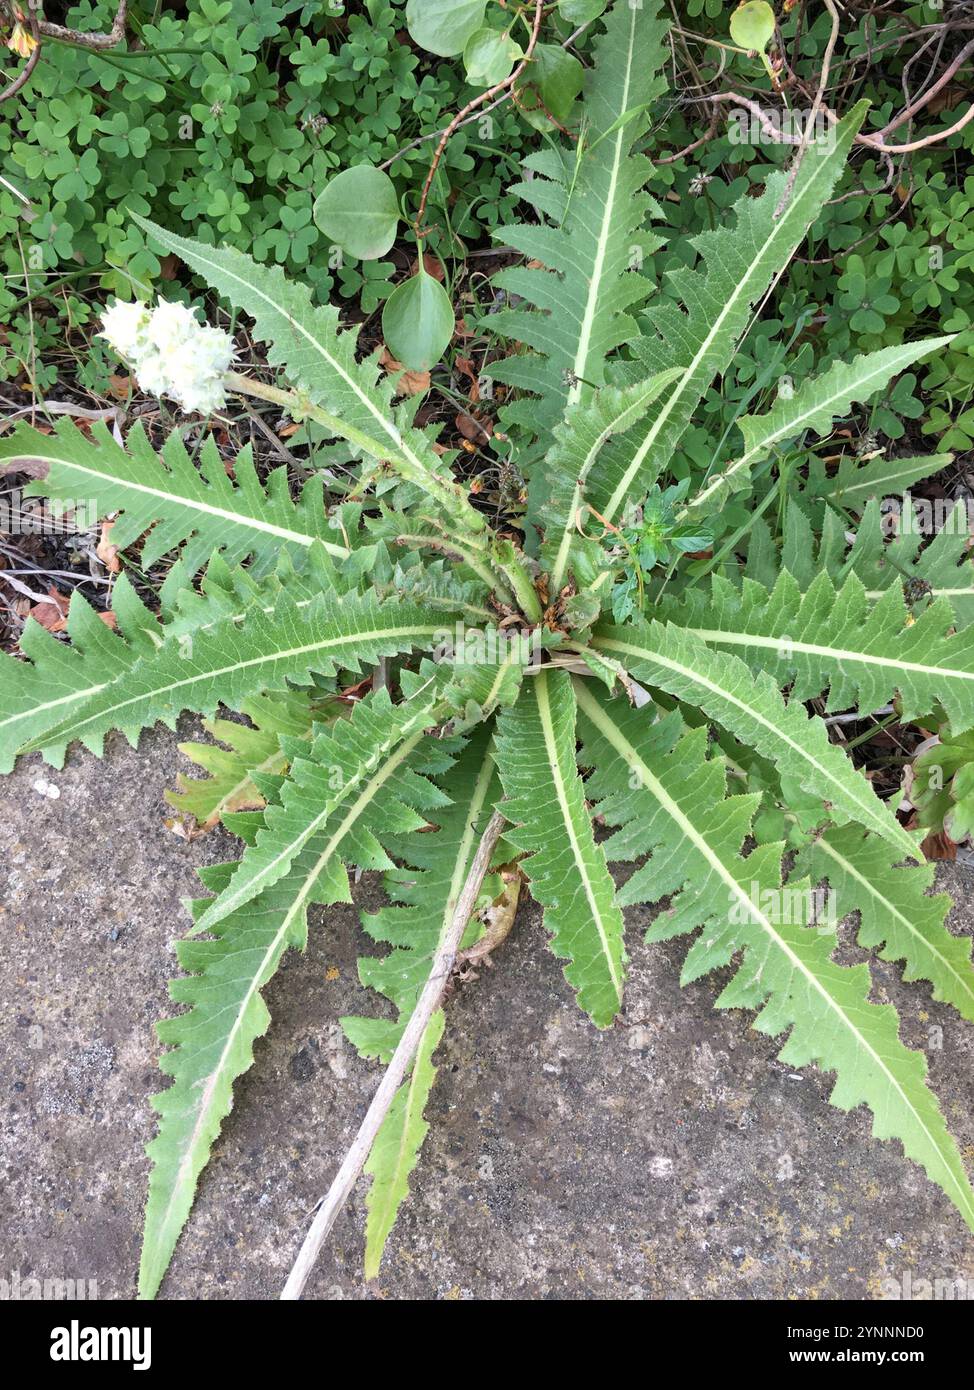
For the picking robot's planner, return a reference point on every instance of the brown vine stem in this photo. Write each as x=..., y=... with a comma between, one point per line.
x=871, y=142
x=471, y=107
x=109, y=40
x=877, y=142
x=426, y=1005
x=931, y=91
x=709, y=134
x=34, y=57
x=498, y=101
x=40, y=29
x=874, y=143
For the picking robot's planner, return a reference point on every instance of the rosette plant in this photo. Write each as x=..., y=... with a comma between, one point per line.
x=688, y=741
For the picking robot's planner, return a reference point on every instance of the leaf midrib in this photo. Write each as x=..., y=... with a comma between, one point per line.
x=268, y=659
x=871, y=813
x=580, y=364
x=557, y=777
x=279, y=941
x=966, y=983
x=190, y=504
x=626, y=750
x=744, y=639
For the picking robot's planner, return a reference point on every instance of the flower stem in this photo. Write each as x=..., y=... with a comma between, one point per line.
x=500, y=554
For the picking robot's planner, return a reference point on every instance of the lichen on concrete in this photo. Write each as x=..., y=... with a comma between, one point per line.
x=671, y=1156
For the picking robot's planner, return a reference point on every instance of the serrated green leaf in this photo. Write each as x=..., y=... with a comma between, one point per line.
x=212, y=1044
x=338, y=762
x=669, y=800
x=250, y=750
x=813, y=406
x=566, y=869
x=237, y=658
x=737, y=263
x=424, y=893
x=166, y=496
x=861, y=651
x=578, y=308
x=578, y=441
x=395, y=1151
x=56, y=679
x=38, y=693
x=897, y=915
x=753, y=709
x=942, y=568
x=853, y=482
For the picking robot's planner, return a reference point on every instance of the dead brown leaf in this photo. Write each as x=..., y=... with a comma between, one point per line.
x=409, y=383
x=53, y=612
x=465, y=366
x=474, y=426
x=939, y=845
x=106, y=552
x=34, y=468
x=122, y=386
x=433, y=267
x=184, y=827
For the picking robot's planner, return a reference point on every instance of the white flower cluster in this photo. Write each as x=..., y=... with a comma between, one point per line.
x=171, y=353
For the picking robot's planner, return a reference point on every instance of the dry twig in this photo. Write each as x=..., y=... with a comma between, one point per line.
x=426, y=1005
x=40, y=29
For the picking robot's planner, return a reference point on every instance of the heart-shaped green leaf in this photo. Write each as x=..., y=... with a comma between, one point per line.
x=554, y=80
x=489, y=56
x=359, y=211
x=581, y=11
x=444, y=26
x=418, y=321
x=752, y=25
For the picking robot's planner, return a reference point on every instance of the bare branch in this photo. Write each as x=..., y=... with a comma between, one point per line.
x=426, y=1005
x=40, y=29
x=109, y=40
